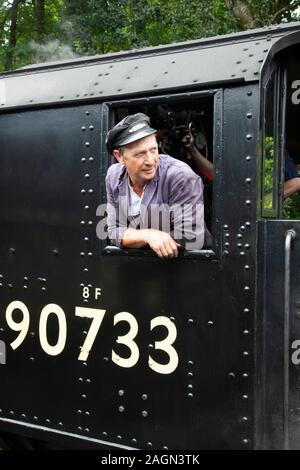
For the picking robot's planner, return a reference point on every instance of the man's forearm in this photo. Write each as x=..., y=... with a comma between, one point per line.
x=134, y=238
x=203, y=164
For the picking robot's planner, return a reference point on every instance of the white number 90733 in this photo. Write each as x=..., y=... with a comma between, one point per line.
x=96, y=315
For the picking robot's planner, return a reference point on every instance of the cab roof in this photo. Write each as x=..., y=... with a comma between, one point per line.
x=237, y=57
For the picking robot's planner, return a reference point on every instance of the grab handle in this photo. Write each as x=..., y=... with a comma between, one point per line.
x=289, y=237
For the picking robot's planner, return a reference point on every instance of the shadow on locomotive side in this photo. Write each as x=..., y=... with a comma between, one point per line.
x=106, y=347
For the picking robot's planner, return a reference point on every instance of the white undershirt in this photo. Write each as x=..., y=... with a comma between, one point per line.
x=135, y=201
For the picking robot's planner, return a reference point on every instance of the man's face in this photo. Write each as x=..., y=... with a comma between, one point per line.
x=140, y=159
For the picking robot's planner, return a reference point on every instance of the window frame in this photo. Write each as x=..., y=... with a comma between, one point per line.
x=107, y=121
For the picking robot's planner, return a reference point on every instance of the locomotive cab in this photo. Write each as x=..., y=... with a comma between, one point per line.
x=103, y=347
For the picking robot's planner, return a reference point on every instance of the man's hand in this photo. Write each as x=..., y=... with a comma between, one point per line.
x=188, y=142
x=162, y=243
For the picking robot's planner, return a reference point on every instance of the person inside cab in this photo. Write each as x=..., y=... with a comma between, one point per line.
x=153, y=200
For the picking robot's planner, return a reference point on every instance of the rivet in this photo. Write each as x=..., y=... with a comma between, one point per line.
x=144, y=396
x=242, y=228
x=190, y=395
x=105, y=359
x=31, y=359
x=144, y=413
x=83, y=191
x=246, y=288
x=90, y=222
x=245, y=49
x=239, y=235
x=255, y=73
x=250, y=55
x=87, y=144
x=190, y=374
x=232, y=75
x=249, y=93
x=246, y=310
x=79, y=412
x=86, y=239
x=82, y=254
x=48, y=421
x=86, y=208
x=227, y=235
x=244, y=70
x=119, y=437
x=173, y=62
x=91, y=128
x=87, y=113
x=23, y=415
x=226, y=244
x=249, y=115
x=245, y=375
x=83, y=396
x=83, y=128
x=155, y=86
x=225, y=227
x=24, y=287
x=245, y=332
x=248, y=202
x=10, y=286
x=247, y=266
x=190, y=386
x=104, y=434
x=249, y=136
x=190, y=321
x=166, y=73
x=11, y=412
x=82, y=222
x=246, y=353
x=91, y=159
x=210, y=323
x=88, y=381
x=247, y=245
x=231, y=375
x=190, y=363
x=44, y=288
x=245, y=397
x=225, y=252
x=35, y=418
x=80, y=379
x=60, y=424
x=248, y=158
x=121, y=409
x=12, y=250
x=239, y=245
x=91, y=191
x=149, y=444
x=248, y=180
x=79, y=428
x=245, y=418
x=238, y=61
x=245, y=441
x=165, y=448
x=85, y=270
x=247, y=224
x=172, y=318
x=242, y=253
x=87, y=176
x=121, y=393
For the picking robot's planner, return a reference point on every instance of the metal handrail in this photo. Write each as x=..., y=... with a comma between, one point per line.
x=289, y=237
